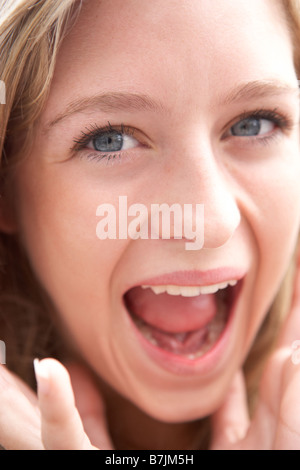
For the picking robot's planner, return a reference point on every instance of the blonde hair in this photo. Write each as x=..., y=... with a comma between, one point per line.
x=30, y=35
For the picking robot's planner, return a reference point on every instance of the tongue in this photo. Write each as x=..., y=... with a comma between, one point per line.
x=169, y=313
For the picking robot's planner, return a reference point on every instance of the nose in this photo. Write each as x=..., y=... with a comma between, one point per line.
x=204, y=181
x=221, y=213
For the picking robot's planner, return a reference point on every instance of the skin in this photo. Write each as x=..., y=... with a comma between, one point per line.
x=176, y=55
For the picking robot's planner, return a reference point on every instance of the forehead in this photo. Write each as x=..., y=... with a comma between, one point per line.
x=172, y=47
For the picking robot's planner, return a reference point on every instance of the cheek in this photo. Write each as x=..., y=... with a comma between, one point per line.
x=278, y=210
x=271, y=207
x=269, y=192
x=57, y=219
x=57, y=214
x=75, y=268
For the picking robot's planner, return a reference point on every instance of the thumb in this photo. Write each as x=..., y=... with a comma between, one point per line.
x=231, y=421
x=61, y=424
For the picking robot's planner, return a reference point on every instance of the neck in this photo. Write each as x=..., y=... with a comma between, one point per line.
x=131, y=429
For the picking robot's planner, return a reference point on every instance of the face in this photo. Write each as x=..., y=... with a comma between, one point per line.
x=166, y=103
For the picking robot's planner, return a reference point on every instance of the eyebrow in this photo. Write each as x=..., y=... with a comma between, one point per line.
x=258, y=89
x=108, y=102
x=116, y=101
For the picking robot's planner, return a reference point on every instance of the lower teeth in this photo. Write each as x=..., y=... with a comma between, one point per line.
x=174, y=342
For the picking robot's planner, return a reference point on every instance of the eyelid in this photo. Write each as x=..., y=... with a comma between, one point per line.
x=94, y=130
x=282, y=120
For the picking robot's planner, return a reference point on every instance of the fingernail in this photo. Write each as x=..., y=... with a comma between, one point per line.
x=42, y=376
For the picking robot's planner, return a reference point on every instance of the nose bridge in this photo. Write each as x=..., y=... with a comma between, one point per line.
x=204, y=181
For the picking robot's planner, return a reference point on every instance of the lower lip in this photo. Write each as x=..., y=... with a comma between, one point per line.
x=206, y=364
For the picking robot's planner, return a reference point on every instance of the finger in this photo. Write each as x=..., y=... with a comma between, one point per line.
x=230, y=423
x=19, y=414
x=288, y=426
x=90, y=406
x=291, y=328
x=62, y=428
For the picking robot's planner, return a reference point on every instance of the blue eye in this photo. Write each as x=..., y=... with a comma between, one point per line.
x=112, y=141
x=252, y=126
x=108, y=142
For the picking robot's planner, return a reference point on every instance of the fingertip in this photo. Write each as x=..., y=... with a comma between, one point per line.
x=42, y=376
x=53, y=381
x=60, y=422
x=49, y=369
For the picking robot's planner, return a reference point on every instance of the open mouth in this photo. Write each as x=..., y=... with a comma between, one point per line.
x=184, y=320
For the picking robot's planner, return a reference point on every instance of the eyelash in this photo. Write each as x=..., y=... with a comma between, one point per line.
x=282, y=122
x=95, y=131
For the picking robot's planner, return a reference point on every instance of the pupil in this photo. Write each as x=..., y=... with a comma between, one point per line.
x=247, y=127
x=109, y=142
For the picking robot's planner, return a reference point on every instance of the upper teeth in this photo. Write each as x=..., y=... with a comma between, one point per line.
x=190, y=291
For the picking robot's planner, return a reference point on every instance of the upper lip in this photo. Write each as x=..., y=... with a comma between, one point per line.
x=193, y=277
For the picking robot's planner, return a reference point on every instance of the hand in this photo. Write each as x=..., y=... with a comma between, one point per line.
x=51, y=421
x=276, y=423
